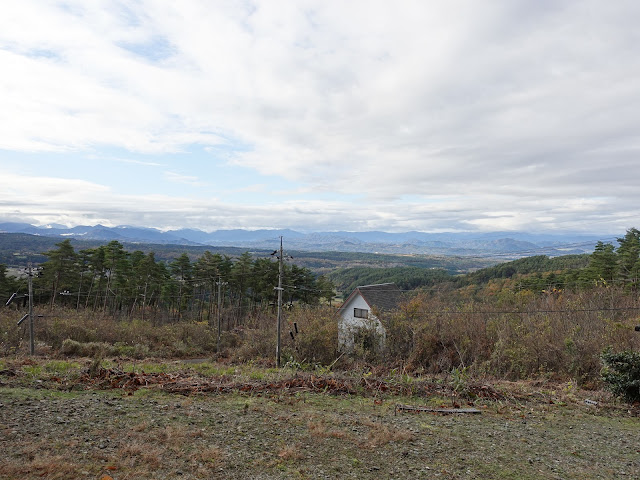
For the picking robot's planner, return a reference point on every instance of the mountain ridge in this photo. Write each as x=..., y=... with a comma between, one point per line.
x=509, y=244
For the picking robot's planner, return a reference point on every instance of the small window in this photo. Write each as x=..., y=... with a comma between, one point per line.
x=360, y=313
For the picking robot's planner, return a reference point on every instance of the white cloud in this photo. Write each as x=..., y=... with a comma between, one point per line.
x=519, y=107
x=186, y=179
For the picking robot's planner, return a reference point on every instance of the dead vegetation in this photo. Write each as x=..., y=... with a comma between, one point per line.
x=122, y=422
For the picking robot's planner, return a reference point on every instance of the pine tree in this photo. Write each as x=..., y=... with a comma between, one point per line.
x=61, y=271
x=628, y=254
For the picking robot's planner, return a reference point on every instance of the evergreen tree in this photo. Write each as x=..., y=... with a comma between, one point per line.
x=301, y=285
x=182, y=270
x=208, y=269
x=602, y=264
x=118, y=271
x=97, y=270
x=326, y=288
x=60, y=273
x=8, y=285
x=628, y=254
x=264, y=277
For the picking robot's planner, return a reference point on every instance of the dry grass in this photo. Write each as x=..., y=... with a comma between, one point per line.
x=155, y=435
x=141, y=427
x=322, y=430
x=511, y=334
x=380, y=434
x=211, y=454
x=290, y=452
x=45, y=465
x=133, y=450
x=153, y=456
x=502, y=332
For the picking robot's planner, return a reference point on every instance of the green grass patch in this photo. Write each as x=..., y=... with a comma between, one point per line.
x=32, y=371
x=60, y=367
x=147, y=367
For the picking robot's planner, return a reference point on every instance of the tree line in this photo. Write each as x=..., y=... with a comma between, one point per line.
x=607, y=266
x=110, y=279
x=113, y=280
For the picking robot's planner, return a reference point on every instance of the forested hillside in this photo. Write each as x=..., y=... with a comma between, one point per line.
x=346, y=270
x=519, y=319
x=406, y=278
x=17, y=249
x=606, y=266
x=110, y=279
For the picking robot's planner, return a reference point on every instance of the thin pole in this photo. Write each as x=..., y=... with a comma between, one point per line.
x=219, y=310
x=79, y=290
x=280, y=268
x=144, y=297
x=32, y=347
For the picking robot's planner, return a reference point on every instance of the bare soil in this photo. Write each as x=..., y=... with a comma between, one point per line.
x=114, y=424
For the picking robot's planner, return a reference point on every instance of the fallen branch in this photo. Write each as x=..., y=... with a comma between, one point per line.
x=446, y=411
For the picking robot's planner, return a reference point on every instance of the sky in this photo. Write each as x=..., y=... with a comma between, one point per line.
x=501, y=115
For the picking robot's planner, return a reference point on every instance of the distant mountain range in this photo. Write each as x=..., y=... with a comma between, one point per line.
x=507, y=244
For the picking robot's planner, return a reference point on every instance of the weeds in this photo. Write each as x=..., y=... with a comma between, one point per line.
x=505, y=334
x=60, y=366
x=290, y=452
x=380, y=434
x=322, y=430
x=459, y=380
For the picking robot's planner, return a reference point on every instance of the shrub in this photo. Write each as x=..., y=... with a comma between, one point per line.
x=316, y=338
x=12, y=337
x=90, y=349
x=621, y=373
x=257, y=340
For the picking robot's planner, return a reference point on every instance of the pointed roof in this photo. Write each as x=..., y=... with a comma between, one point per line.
x=382, y=296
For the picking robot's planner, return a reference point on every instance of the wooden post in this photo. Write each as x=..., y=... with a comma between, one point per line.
x=32, y=347
x=280, y=269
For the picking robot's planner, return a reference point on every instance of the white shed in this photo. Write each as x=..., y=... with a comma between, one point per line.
x=356, y=314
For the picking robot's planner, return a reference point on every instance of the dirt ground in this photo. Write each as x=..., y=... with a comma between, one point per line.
x=61, y=425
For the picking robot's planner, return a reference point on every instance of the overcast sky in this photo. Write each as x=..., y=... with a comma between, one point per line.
x=322, y=115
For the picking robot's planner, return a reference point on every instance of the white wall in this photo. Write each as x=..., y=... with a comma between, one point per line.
x=348, y=324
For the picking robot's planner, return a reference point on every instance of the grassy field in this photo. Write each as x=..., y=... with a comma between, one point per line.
x=74, y=419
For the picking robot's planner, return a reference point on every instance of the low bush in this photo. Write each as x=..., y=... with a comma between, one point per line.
x=257, y=340
x=89, y=349
x=315, y=341
x=621, y=374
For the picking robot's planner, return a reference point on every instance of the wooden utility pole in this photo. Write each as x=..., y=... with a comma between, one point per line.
x=280, y=269
x=219, y=312
x=32, y=341
x=32, y=346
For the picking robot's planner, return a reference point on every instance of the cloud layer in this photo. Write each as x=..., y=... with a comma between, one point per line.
x=364, y=115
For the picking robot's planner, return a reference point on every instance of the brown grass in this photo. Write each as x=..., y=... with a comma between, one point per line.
x=501, y=332
x=47, y=466
x=511, y=334
x=322, y=430
x=211, y=454
x=290, y=452
x=380, y=434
